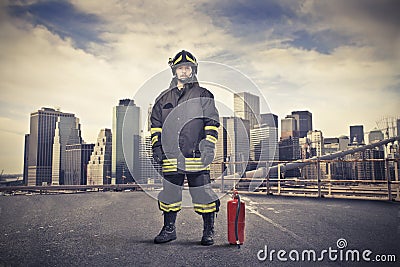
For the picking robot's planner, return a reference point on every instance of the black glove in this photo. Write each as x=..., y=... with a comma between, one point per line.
x=158, y=154
x=207, y=153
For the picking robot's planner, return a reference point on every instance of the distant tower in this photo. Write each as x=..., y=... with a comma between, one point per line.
x=99, y=166
x=77, y=157
x=150, y=172
x=288, y=127
x=316, y=142
x=67, y=132
x=264, y=144
x=40, y=159
x=357, y=135
x=375, y=136
x=233, y=145
x=269, y=119
x=303, y=121
x=247, y=107
x=125, y=150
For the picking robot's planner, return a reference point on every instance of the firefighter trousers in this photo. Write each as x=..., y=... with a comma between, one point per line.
x=204, y=199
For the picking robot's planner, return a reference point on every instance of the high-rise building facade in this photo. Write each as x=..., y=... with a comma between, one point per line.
x=77, y=157
x=289, y=149
x=375, y=136
x=99, y=165
x=264, y=145
x=288, y=127
x=357, y=135
x=220, y=149
x=150, y=171
x=333, y=145
x=247, y=107
x=398, y=127
x=67, y=132
x=126, y=135
x=238, y=143
x=233, y=146
x=316, y=140
x=303, y=121
x=26, y=154
x=269, y=119
x=40, y=159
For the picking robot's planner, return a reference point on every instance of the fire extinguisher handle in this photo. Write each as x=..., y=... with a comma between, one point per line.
x=237, y=221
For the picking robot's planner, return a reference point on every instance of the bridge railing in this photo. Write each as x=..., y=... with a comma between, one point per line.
x=369, y=179
x=365, y=179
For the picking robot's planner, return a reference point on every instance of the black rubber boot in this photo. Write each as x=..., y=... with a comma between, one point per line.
x=208, y=232
x=168, y=232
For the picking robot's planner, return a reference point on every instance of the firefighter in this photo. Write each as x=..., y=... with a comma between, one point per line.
x=184, y=124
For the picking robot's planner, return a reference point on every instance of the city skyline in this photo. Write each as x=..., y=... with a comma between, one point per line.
x=265, y=120
x=335, y=59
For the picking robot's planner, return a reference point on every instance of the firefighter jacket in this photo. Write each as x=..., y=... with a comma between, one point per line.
x=183, y=123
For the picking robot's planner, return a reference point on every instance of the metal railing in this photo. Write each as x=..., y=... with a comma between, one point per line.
x=384, y=186
x=323, y=181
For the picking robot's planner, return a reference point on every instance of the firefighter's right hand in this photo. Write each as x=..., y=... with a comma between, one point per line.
x=207, y=154
x=158, y=154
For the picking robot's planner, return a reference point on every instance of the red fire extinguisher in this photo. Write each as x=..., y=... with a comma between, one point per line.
x=236, y=220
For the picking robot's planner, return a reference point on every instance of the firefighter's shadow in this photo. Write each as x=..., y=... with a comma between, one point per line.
x=192, y=243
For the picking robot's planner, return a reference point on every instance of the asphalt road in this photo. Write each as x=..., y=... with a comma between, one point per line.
x=117, y=229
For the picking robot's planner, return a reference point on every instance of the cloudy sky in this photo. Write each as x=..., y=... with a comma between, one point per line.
x=338, y=59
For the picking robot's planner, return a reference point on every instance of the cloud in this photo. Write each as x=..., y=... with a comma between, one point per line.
x=346, y=87
x=365, y=23
x=62, y=18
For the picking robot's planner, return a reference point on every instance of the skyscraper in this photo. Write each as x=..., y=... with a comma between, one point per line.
x=238, y=143
x=40, y=159
x=264, y=144
x=375, y=136
x=316, y=142
x=398, y=127
x=332, y=145
x=125, y=138
x=288, y=127
x=357, y=135
x=269, y=119
x=303, y=121
x=289, y=148
x=247, y=107
x=77, y=157
x=99, y=165
x=67, y=132
x=150, y=172
x=26, y=153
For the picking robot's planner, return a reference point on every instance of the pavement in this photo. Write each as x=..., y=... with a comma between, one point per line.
x=117, y=229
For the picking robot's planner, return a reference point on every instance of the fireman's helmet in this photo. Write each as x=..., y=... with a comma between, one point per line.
x=183, y=57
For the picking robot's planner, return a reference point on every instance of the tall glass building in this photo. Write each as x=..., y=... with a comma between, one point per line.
x=264, y=145
x=67, y=132
x=247, y=107
x=76, y=160
x=234, y=143
x=303, y=121
x=289, y=127
x=357, y=135
x=150, y=172
x=41, y=158
x=125, y=139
